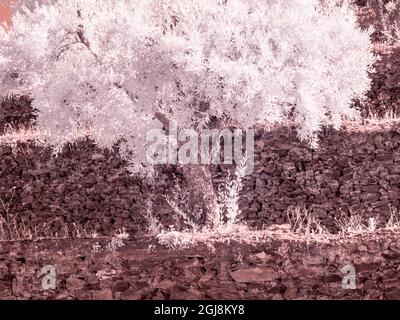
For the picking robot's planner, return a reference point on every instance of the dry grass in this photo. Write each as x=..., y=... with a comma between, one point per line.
x=14, y=228
x=302, y=222
x=11, y=230
x=302, y=228
x=355, y=224
x=373, y=122
x=394, y=220
x=13, y=135
x=389, y=116
x=154, y=226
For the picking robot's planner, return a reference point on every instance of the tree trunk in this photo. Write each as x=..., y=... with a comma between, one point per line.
x=199, y=180
x=203, y=196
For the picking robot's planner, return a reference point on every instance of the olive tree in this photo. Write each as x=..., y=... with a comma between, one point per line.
x=115, y=69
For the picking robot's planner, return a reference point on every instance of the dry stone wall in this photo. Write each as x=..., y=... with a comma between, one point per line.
x=356, y=169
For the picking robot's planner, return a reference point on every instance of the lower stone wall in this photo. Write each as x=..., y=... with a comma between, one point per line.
x=275, y=270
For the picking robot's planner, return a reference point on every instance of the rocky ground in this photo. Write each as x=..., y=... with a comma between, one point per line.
x=274, y=269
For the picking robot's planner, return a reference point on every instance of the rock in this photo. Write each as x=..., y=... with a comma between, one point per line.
x=256, y=274
x=92, y=282
x=75, y=283
x=39, y=172
x=290, y=293
x=393, y=295
x=264, y=257
x=165, y=284
x=131, y=294
x=314, y=260
x=368, y=266
x=121, y=285
x=284, y=228
x=371, y=188
x=333, y=278
x=105, y=294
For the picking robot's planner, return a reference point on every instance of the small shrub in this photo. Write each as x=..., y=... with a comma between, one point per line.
x=355, y=224
x=229, y=195
x=154, y=226
x=227, y=213
x=117, y=240
x=394, y=220
x=301, y=221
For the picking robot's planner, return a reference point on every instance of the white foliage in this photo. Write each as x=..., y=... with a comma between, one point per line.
x=117, y=240
x=355, y=224
x=394, y=221
x=226, y=214
x=228, y=197
x=106, y=67
x=301, y=221
x=154, y=226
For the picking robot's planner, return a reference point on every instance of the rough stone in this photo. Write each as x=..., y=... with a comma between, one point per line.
x=256, y=274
